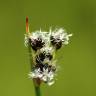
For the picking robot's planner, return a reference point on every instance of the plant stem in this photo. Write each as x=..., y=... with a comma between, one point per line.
x=37, y=88
x=35, y=81
x=30, y=56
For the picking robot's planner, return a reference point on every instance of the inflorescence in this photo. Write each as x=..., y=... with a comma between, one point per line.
x=44, y=45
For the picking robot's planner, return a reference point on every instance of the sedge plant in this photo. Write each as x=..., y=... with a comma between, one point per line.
x=42, y=47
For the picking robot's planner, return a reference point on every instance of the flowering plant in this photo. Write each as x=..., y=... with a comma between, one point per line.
x=42, y=48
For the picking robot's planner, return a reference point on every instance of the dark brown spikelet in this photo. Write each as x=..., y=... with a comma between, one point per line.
x=57, y=43
x=40, y=58
x=36, y=44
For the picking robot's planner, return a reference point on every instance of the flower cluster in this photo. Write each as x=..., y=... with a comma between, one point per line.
x=44, y=45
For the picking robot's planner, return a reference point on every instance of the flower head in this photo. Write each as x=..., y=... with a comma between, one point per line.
x=44, y=45
x=59, y=37
x=46, y=74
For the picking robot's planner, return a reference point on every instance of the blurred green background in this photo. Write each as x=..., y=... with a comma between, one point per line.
x=77, y=75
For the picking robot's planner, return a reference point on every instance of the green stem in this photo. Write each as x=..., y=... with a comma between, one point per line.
x=30, y=57
x=37, y=91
